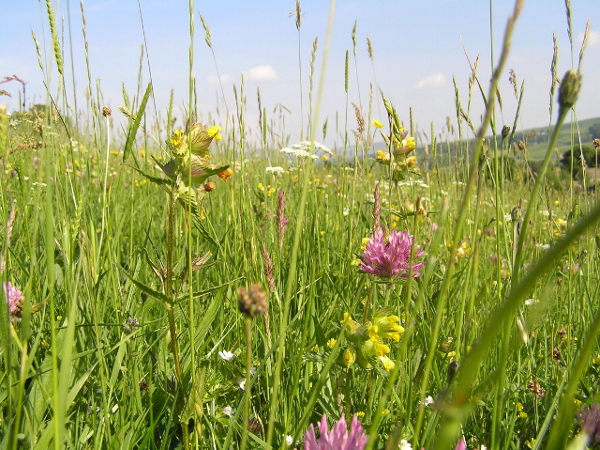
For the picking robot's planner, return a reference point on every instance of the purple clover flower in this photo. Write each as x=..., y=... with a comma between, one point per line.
x=14, y=298
x=389, y=258
x=589, y=420
x=338, y=438
x=462, y=444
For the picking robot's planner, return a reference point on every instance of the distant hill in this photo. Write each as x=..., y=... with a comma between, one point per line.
x=537, y=138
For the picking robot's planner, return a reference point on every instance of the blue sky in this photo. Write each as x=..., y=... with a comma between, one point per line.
x=417, y=50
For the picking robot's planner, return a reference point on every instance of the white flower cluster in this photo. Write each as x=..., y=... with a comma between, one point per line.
x=301, y=150
x=275, y=170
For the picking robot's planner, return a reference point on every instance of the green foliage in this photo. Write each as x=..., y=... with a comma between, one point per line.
x=573, y=157
x=495, y=339
x=594, y=130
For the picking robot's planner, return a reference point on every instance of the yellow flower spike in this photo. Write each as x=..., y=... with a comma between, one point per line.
x=377, y=124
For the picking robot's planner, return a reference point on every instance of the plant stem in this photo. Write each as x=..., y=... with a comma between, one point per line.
x=248, y=328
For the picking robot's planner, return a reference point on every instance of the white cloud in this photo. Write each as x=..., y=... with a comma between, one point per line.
x=432, y=81
x=214, y=80
x=261, y=73
x=593, y=38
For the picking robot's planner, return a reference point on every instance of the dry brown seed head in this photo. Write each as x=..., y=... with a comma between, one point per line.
x=252, y=302
x=106, y=111
x=556, y=354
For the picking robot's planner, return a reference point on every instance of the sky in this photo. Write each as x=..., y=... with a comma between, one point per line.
x=417, y=50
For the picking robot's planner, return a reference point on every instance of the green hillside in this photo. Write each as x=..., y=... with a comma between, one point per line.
x=537, y=138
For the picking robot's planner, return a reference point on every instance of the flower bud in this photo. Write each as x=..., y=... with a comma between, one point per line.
x=252, y=303
x=569, y=89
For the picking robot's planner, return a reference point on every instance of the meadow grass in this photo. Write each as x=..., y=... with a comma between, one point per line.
x=130, y=334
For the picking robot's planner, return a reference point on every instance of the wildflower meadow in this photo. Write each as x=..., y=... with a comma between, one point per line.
x=172, y=282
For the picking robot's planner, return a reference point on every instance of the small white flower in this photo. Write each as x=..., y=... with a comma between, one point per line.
x=529, y=301
x=228, y=411
x=483, y=447
x=404, y=445
x=226, y=355
x=275, y=169
x=289, y=440
x=428, y=400
x=346, y=211
x=241, y=383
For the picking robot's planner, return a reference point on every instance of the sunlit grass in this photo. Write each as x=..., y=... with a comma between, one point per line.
x=129, y=333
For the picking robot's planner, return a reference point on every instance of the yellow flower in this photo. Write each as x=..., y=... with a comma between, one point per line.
x=381, y=349
x=388, y=364
x=365, y=241
x=331, y=343
x=349, y=356
x=411, y=161
x=409, y=143
x=200, y=140
x=176, y=141
x=214, y=131
x=227, y=173
x=360, y=414
x=383, y=157
x=325, y=157
x=377, y=124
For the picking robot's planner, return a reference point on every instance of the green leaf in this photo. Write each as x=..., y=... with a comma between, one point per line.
x=199, y=294
x=136, y=123
x=148, y=290
x=156, y=180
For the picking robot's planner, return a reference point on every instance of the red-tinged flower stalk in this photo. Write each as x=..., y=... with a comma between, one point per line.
x=282, y=221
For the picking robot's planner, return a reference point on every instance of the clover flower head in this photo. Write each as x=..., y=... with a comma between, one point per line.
x=589, y=420
x=338, y=438
x=391, y=257
x=15, y=299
